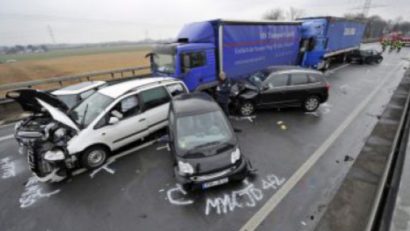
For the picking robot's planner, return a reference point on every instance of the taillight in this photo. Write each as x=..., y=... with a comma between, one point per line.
x=327, y=86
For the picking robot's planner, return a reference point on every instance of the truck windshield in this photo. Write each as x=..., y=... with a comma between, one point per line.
x=201, y=131
x=85, y=112
x=164, y=63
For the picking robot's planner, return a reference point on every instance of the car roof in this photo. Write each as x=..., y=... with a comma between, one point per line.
x=194, y=103
x=78, y=88
x=291, y=69
x=122, y=88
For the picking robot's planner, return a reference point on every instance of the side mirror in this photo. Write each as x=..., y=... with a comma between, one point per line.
x=117, y=114
x=113, y=120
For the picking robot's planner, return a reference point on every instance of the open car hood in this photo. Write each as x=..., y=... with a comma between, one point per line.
x=59, y=115
x=27, y=98
x=39, y=101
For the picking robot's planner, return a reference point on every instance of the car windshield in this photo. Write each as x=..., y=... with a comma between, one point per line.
x=69, y=100
x=257, y=78
x=164, y=63
x=202, y=131
x=85, y=112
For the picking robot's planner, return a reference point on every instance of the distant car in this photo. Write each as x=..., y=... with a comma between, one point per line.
x=203, y=143
x=281, y=86
x=365, y=57
x=73, y=94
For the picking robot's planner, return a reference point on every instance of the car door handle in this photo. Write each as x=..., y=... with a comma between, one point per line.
x=141, y=120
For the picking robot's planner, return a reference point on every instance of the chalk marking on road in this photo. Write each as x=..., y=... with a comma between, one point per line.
x=276, y=198
x=7, y=168
x=174, y=201
x=246, y=197
x=104, y=167
x=3, y=138
x=33, y=192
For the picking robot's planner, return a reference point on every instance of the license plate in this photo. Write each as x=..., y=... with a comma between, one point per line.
x=215, y=183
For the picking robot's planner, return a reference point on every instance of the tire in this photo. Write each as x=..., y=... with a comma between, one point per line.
x=94, y=157
x=311, y=103
x=246, y=108
x=379, y=60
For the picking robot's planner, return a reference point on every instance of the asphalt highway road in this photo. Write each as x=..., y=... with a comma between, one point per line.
x=300, y=158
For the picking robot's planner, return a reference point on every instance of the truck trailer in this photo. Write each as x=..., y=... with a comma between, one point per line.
x=237, y=48
x=329, y=39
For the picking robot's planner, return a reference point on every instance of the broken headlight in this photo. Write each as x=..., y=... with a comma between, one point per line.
x=60, y=133
x=54, y=155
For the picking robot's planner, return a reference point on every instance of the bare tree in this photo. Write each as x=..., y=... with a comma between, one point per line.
x=274, y=14
x=295, y=13
x=281, y=14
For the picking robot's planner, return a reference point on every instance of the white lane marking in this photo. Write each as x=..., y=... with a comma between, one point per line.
x=276, y=198
x=3, y=138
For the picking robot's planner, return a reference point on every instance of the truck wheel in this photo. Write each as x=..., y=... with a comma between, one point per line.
x=94, y=157
x=246, y=108
x=311, y=103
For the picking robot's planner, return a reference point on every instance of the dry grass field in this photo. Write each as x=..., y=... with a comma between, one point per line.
x=38, y=67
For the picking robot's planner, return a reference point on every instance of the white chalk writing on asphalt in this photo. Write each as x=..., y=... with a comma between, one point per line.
x=247, y=196
x=7, y=168
x=104, y=167
x=181, y=201
x=33, y=192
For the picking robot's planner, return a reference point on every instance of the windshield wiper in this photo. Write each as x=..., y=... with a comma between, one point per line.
x=207, y=144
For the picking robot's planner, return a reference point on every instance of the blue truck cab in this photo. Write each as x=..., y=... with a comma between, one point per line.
x=204, y=49
x=329, y=38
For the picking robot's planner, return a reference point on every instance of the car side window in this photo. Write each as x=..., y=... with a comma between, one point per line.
x=277, y=81
x=154, y=97
x=175, y=89
x=298, y=79
x=129, y=106
x=314, y=78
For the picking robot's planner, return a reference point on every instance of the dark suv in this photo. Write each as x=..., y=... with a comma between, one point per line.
x=277, y=87
x=203, y=143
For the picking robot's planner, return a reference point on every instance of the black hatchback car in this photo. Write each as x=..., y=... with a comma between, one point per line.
x=203, y=143
x=280, y=86
x=365, y=57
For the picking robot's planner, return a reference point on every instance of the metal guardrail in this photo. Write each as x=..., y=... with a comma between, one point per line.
x=111, y=74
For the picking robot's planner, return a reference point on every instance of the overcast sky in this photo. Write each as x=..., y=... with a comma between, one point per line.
x=79, y=21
